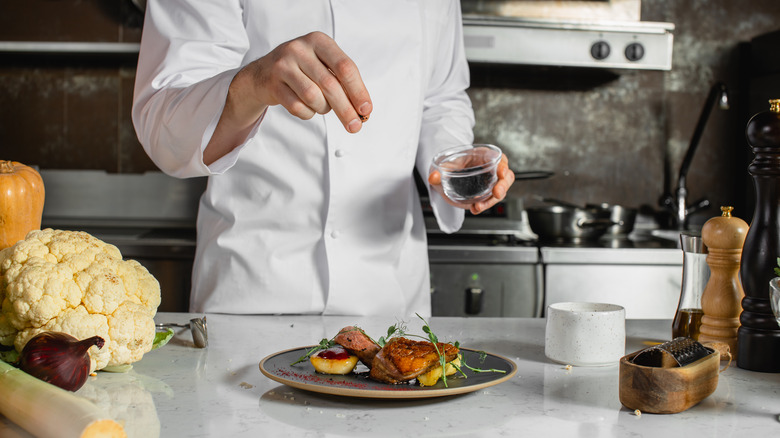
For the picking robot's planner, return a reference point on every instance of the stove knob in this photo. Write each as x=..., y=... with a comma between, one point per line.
x=599, y=50
x=635, y=52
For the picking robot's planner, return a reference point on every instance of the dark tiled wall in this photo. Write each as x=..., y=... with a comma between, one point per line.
x=609, y=138
x=621, y=138
x=69, y=111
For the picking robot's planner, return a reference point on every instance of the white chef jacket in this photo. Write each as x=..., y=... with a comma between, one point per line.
x=305, y=217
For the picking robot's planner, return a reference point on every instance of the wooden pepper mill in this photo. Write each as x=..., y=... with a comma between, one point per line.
x=721, y=301
x=759, y=333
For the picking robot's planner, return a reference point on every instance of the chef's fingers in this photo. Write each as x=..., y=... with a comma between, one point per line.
x=292, y=102
x=434, y=178
x=288, y=81
x=277, y=79
x=341, y=84
x=308, y=93
x=320, y=76
x=480, y=206
x=506, y=177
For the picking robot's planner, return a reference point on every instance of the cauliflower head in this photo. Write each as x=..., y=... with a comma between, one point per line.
x=72, y=282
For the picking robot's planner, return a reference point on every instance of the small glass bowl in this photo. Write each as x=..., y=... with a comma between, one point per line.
x=774, y=297
x=468, y=172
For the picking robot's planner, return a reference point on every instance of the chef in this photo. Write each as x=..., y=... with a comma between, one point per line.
x=308, y=117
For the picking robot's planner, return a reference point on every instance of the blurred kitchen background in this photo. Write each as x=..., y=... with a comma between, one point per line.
x=608, y=135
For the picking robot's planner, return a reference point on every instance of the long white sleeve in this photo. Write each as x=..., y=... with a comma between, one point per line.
x=448, y=119
x=182, y=82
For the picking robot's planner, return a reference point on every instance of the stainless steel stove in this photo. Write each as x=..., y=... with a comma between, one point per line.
x=625, y=45
x=491, y=267
x=496, y=267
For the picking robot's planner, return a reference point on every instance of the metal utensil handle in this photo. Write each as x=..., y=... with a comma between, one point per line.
x=199, y=329
x=533, y=174
x=171, y=324
x=596, y=223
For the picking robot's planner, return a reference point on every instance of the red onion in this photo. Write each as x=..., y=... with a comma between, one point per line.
x=59, y=359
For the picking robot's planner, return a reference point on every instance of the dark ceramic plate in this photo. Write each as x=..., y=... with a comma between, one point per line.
x=302, y=376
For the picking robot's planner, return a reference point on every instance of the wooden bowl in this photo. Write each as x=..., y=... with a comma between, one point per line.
x=667, y=389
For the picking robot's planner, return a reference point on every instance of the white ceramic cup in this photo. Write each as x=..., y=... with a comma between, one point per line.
x=585, y=334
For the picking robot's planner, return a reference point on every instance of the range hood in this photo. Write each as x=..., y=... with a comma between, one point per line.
x=635, y=45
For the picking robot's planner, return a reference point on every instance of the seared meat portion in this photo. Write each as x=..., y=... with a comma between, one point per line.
x=358, y=343
x=403, y=359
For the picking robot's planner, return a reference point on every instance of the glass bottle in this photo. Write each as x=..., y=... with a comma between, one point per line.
x=696, y=273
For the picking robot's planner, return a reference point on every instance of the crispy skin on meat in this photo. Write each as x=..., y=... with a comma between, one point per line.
x=358, y=343
x=403, y=359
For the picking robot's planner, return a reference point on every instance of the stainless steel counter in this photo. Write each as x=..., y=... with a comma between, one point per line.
x=611, y=256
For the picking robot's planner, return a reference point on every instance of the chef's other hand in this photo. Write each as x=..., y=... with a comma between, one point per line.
x=506, y=177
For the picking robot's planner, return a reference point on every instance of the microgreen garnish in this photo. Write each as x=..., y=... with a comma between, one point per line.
x=323, y=345
x=395, y=330
x=482, y=357
x=435, y=340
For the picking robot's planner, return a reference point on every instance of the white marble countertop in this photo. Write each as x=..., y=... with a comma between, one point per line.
x=182, y=391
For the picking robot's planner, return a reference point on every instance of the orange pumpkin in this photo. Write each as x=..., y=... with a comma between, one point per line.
x=21, y=201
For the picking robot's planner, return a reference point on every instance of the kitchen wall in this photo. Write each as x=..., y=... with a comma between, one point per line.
x=69, y=110
x=620, y=138
x=608, y=137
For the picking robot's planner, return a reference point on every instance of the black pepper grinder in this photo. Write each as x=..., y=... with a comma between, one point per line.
x=759, y=333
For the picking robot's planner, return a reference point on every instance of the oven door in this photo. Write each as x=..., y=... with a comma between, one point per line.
x=488, y=281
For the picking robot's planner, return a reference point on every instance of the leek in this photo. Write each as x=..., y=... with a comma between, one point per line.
x=45, y=410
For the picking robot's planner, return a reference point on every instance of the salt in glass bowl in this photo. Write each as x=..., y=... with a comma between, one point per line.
x=468, y=172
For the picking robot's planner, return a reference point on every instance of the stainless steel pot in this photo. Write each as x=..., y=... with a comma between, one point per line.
x=557, y=223
x=623, y=217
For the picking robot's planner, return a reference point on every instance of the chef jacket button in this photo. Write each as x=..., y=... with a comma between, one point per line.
x=335, y=234
x=340, y=153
